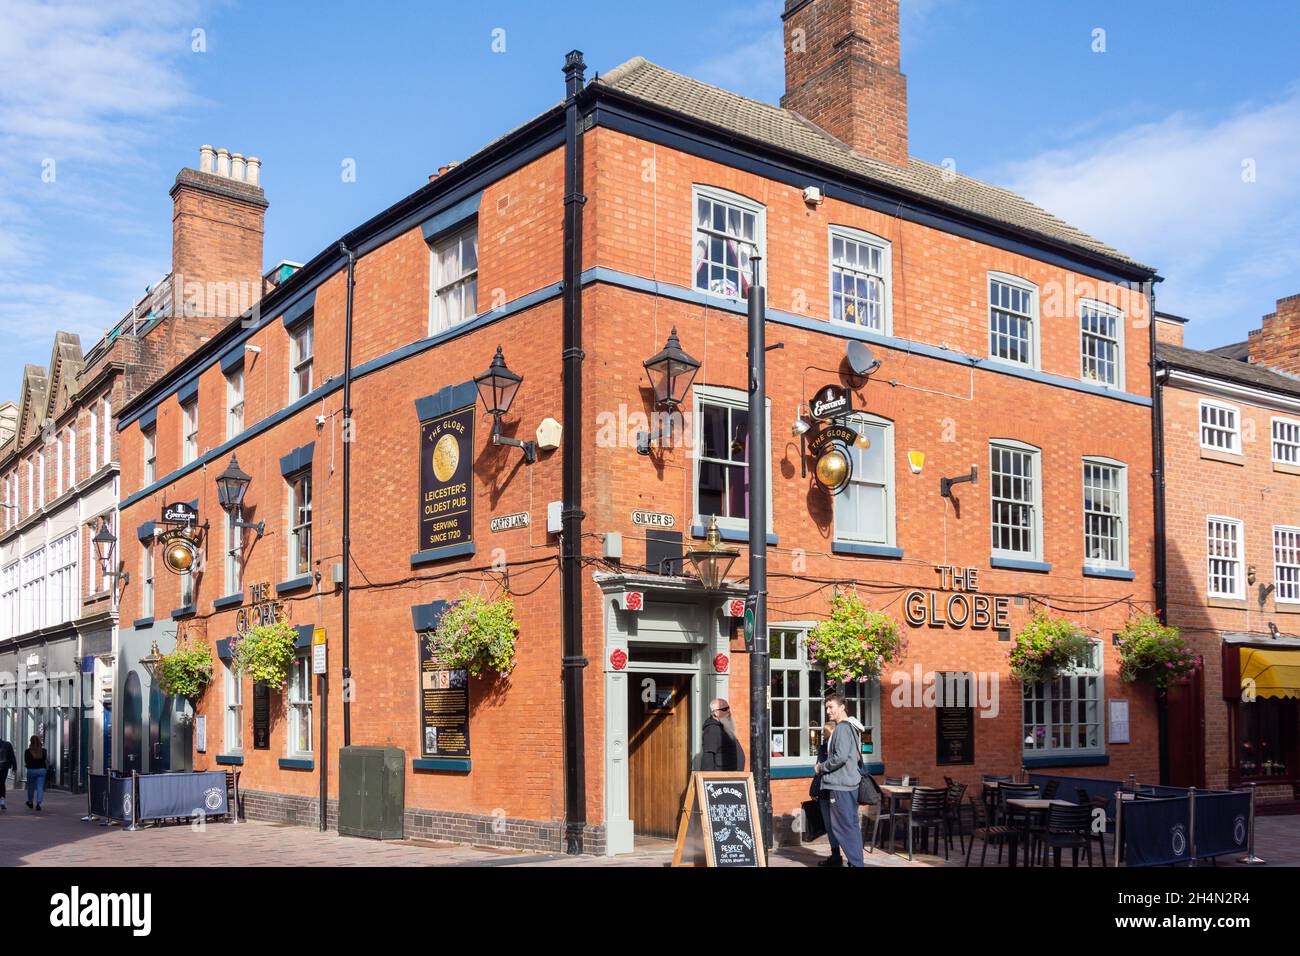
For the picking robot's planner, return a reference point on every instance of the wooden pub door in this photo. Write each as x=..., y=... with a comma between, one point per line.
x=659, y=745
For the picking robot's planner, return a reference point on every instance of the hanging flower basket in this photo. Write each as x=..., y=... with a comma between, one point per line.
x=478, y=635
x=1154, y=652
x=1045, y=647
x=186, y=671
x=265, y=653
x=854, y=644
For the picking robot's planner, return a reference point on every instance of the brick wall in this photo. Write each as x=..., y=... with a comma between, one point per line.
x=1276, y=343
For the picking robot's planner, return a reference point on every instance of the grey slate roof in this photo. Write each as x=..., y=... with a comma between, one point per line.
x=1234, y=370
x=789, y=131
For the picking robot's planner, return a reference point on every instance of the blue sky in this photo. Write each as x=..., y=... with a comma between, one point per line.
x=1143, y=144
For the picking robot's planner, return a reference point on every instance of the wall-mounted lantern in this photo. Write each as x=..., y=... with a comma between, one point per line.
x=105, y=549
x=497, y=388
x=712, y=562
x=671, y=373
x=232, y=484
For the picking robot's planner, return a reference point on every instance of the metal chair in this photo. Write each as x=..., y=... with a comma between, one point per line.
x=1083, y=799
x=1050, y=788
x=1068, y=826
x=956, y=794
x=986, y=830
x=926, y=813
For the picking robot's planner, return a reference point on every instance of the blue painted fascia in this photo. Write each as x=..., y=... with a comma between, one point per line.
x=442, y=554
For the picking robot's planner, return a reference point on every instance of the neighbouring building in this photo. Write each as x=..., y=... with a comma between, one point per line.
x=60, y=673
x=1232, y=464
x=1013, y=349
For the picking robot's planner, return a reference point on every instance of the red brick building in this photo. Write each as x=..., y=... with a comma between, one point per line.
x=577, y=243
x=1232, y=465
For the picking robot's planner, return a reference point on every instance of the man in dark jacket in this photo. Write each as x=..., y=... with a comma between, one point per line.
x=8, y=762
x=719, y=748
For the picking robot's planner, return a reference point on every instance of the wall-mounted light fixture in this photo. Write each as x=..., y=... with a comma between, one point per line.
x=106, y=550
x=232, y=484
x=671, y=373
x=497, y=388
x=945, y=484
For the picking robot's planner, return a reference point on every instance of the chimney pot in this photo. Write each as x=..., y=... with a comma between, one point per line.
x=237, y=166
x=223, y=163
x=253, y=172
x=206, y=156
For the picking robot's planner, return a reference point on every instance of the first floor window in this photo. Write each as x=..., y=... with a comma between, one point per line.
x=1223, y=552
x=1101, y=345
x=1266, y=737
x=150, y=438
x=234, y=564
x=722, y=457
x=189, y=431
x=1016, y=489
x=233, y=736
x=864, y=511
x=146, y=578
x=454, y=297
x=1286, y=563
x=798, y=696
x=187, y=590
x=1013, y=315
x=1064, y=715
x=728, y=233
x=299, y=701
x=1220, y=426
x=1286, y=441
x=859, y=279
x=300, y=523
x=235, y=402
x=1105, y=514
x=302, y=351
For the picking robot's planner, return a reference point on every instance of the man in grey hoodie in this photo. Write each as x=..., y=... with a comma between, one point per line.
x=840, y=777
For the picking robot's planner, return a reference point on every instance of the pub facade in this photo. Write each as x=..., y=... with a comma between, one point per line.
x=480, y=361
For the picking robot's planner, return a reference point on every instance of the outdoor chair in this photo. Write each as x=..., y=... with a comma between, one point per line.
x=893, y=781
x=232, y=792
x=1050, y=788
x=987, y=831
x=926, y=813
x=956, y=794
x=1082, y=798
x=1009, y=816
x=1068, y=827
x=996, y=778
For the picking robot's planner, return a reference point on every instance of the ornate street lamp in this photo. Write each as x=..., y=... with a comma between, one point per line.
x=105, y=547
x=151, y=661
x=496, y=389
x=232, y=485
x=671, y=373
x=713, y=562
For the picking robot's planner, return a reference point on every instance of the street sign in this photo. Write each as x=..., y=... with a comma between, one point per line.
x=751, y=608
x=318, y=651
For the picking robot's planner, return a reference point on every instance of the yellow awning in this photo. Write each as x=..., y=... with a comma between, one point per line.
x=1276, y=673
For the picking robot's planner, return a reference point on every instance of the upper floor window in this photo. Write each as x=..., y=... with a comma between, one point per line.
x=301, y=352
x=40, y=479
x=235, y=402
x=728, y=234
x=860, y=276
x=31, y=487
x=1013, y=320
x=1105, y=513
x=72, y=456
x=1220, y=426
x=108, y=430
x=1286, y=441
x=1101, y=346
x=1064, y=715
x=1223, y=554
x=58, y=464
x=722, y=429
x=864, y=511
x=1286, y=564
x=234, y=563
x=189, y=431
x=454, y=296
x=146, y=578
x=94, y=440
x=150, y=438
x=1017, y=496
x=300, y=523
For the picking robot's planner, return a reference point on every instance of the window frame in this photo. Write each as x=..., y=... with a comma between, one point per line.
x=1239, y=581
x=745, y=204
x=1123, y=516
x=295, y=529
x=299, y=709
x=232, y=709
x=148, y=592
x=440, y=285
x=233, y=556
x=149, y=438
x=190, y=431
x=858, y=420
x=1118, y=315
x=1234, y=432
x=302, y=331
x=849, y=234
x=234, y=409
x=1032, y=693
x=1293, y=423
x=1293, y=565
x=732, y=399
x=1036, y=504
x=1034, y=345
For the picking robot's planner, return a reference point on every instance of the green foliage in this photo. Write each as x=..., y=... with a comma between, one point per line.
x=1151, y=651
x=854, y=643
x=266, y=652
x=477, y=634
x=1046, y=646
x=186, y=671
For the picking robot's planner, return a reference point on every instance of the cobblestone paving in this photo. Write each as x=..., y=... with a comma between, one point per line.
x=58, y=837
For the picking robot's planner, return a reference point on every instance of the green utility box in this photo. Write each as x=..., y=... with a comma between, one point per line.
x=372, y=795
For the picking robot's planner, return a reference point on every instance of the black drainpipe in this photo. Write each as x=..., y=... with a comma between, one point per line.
x=1158, y=488
x=575, y=781
x=347, y=493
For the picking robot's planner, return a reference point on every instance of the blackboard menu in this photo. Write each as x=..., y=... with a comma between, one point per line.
x=732, y=827
x=954, y=720
x=446, y=480
x=444, y=706
x=261, y=715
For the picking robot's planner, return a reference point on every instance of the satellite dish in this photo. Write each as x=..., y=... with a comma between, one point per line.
x=860, y=358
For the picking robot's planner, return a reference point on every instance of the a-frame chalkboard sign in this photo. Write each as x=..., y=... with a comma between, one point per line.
x=720, y=825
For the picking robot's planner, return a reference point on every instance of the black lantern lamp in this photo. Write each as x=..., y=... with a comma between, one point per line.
x=105, y=547
x=497, y=388
x=671, y=373
x=232, y=484
x=713, y=561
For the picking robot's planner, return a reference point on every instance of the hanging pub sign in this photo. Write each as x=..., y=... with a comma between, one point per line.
x=180, y=549
x=834, y=467
x=262, y=608
x=444, y=705
x=180, y=512
x=446, y=475
x=833, y=401
x=957, y=603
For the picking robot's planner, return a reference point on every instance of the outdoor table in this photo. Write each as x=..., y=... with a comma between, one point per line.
x=895, y=793
x=1032, y=805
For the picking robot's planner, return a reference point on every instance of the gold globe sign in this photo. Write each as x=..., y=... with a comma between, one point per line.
x=834, y=465
x=179, y=550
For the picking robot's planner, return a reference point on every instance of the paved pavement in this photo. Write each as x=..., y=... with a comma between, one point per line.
x=57, y=837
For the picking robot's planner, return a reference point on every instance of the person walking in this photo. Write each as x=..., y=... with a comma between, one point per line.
x=840, y=776
x=719, y=747
x=7, y=762
x=823, y=797
x=37, y=762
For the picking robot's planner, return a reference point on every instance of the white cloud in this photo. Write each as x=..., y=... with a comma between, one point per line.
x=1172, y=193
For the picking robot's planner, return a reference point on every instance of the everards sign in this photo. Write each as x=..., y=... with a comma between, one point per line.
x=956, y=603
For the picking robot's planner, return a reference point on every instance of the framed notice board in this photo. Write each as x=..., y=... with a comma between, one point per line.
x=720, y=824
x=954, y=719
x=444, y=706
x=261, y=715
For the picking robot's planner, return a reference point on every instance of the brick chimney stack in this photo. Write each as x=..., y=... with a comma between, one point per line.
x=842, y=73
x=1276, y=344
x=218, y=220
